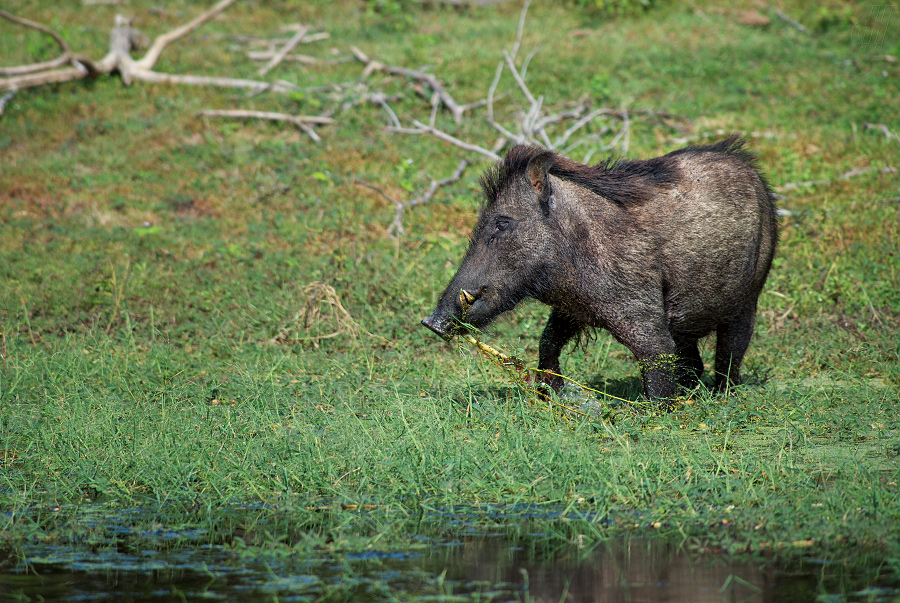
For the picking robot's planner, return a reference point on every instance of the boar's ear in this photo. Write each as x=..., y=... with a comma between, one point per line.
x=539, y=175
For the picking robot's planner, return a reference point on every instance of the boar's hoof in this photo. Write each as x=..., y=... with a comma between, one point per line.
x=438, y=327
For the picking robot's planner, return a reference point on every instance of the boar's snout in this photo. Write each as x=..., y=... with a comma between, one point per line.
x=444, y=320
x=440, y=325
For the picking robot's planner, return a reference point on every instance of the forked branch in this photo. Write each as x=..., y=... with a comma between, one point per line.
x=123, y=39
x=64, y=59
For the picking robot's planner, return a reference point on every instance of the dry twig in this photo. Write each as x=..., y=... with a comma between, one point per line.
x=791, y=22
x=428, y=79
x=440, y=134
x=4, y=100
x=305, y=59
x=152, y=55
x=396, y=228
x=64, y=59
x=283, y=51
x=301, y=121
x=883, y=129
x=845, y=176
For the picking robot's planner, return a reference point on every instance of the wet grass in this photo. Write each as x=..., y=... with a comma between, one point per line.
x=150, y=258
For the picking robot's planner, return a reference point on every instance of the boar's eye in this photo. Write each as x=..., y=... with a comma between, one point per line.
x=499, y=226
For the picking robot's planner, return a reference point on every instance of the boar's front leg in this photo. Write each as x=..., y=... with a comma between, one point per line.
x=656, y=352
x=559, y=331
x=659, y=375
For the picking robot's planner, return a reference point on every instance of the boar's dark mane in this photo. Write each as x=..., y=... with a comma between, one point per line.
x=622, y=181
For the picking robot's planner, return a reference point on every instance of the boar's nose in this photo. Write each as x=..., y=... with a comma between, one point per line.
x=438, y=326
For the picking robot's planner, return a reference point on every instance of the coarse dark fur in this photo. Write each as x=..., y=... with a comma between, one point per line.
x=660, y=252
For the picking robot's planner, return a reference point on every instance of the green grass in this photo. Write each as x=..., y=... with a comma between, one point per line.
x=148, y=258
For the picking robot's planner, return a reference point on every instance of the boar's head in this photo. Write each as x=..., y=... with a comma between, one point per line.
x=510, y=246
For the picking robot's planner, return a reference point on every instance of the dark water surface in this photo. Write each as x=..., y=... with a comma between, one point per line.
x=474, y=564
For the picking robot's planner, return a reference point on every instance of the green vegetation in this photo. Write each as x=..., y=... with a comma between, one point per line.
x=162, y=346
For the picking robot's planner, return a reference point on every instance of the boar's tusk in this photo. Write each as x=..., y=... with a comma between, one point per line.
x=466, y=298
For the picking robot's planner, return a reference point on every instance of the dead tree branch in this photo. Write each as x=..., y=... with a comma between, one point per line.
x=305, y=59
x=440, y=134
x=428, y=79
x=279, y=56
x=521, y=29
x=791, y=22
x=64, y=59
x=123, y=39
x=845, y=176
x=4, y=100
x=883, y=129
x=301, y=121
x=396, y=228
x=164, y=40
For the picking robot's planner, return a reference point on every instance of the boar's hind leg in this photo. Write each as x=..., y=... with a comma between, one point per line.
x=732, y=339
x=690, y=365
x=559, y=331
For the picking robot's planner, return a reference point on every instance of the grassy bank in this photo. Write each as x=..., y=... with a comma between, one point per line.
x=161, y=342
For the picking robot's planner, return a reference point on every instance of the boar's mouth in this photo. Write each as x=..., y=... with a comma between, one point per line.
x=444, y=321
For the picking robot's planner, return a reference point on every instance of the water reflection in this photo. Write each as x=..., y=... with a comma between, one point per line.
x=512, y=563
x=630, y=571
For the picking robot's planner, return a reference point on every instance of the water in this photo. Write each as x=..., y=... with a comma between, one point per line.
x=480, y=561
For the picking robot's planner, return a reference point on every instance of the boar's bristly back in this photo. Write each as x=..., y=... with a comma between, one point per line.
x=625, y=182
x=622, y=181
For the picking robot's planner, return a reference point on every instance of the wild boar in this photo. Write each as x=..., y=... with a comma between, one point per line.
x=660, y=252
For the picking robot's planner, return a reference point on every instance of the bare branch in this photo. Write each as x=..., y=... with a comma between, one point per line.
x=377, y=189
x=271, y=43
x=521, y=28
x=518, y=78
x=54, y=76
x=4, y=100
x=266, y=55
x=527, y=61
x=430, y=80
x=268, y=115
x=122, y=39
x=279, y=56
x=435, y=104
x=396, y=228
x=27, y=69
x=425, y=129
x=490, y=105
x=152, y=55
x=883, y=129
x=845, y=176
x=790, y=21
x=575, y=114
x=393, y=116
x=301, y=121
x=203, y=80
x=397, y=225
x=865, y=170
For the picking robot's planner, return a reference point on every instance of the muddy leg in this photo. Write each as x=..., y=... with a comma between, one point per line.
x=690, y=366
x=655, y=352
x=658, y=372
x=559, y=331
x=732, y=340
